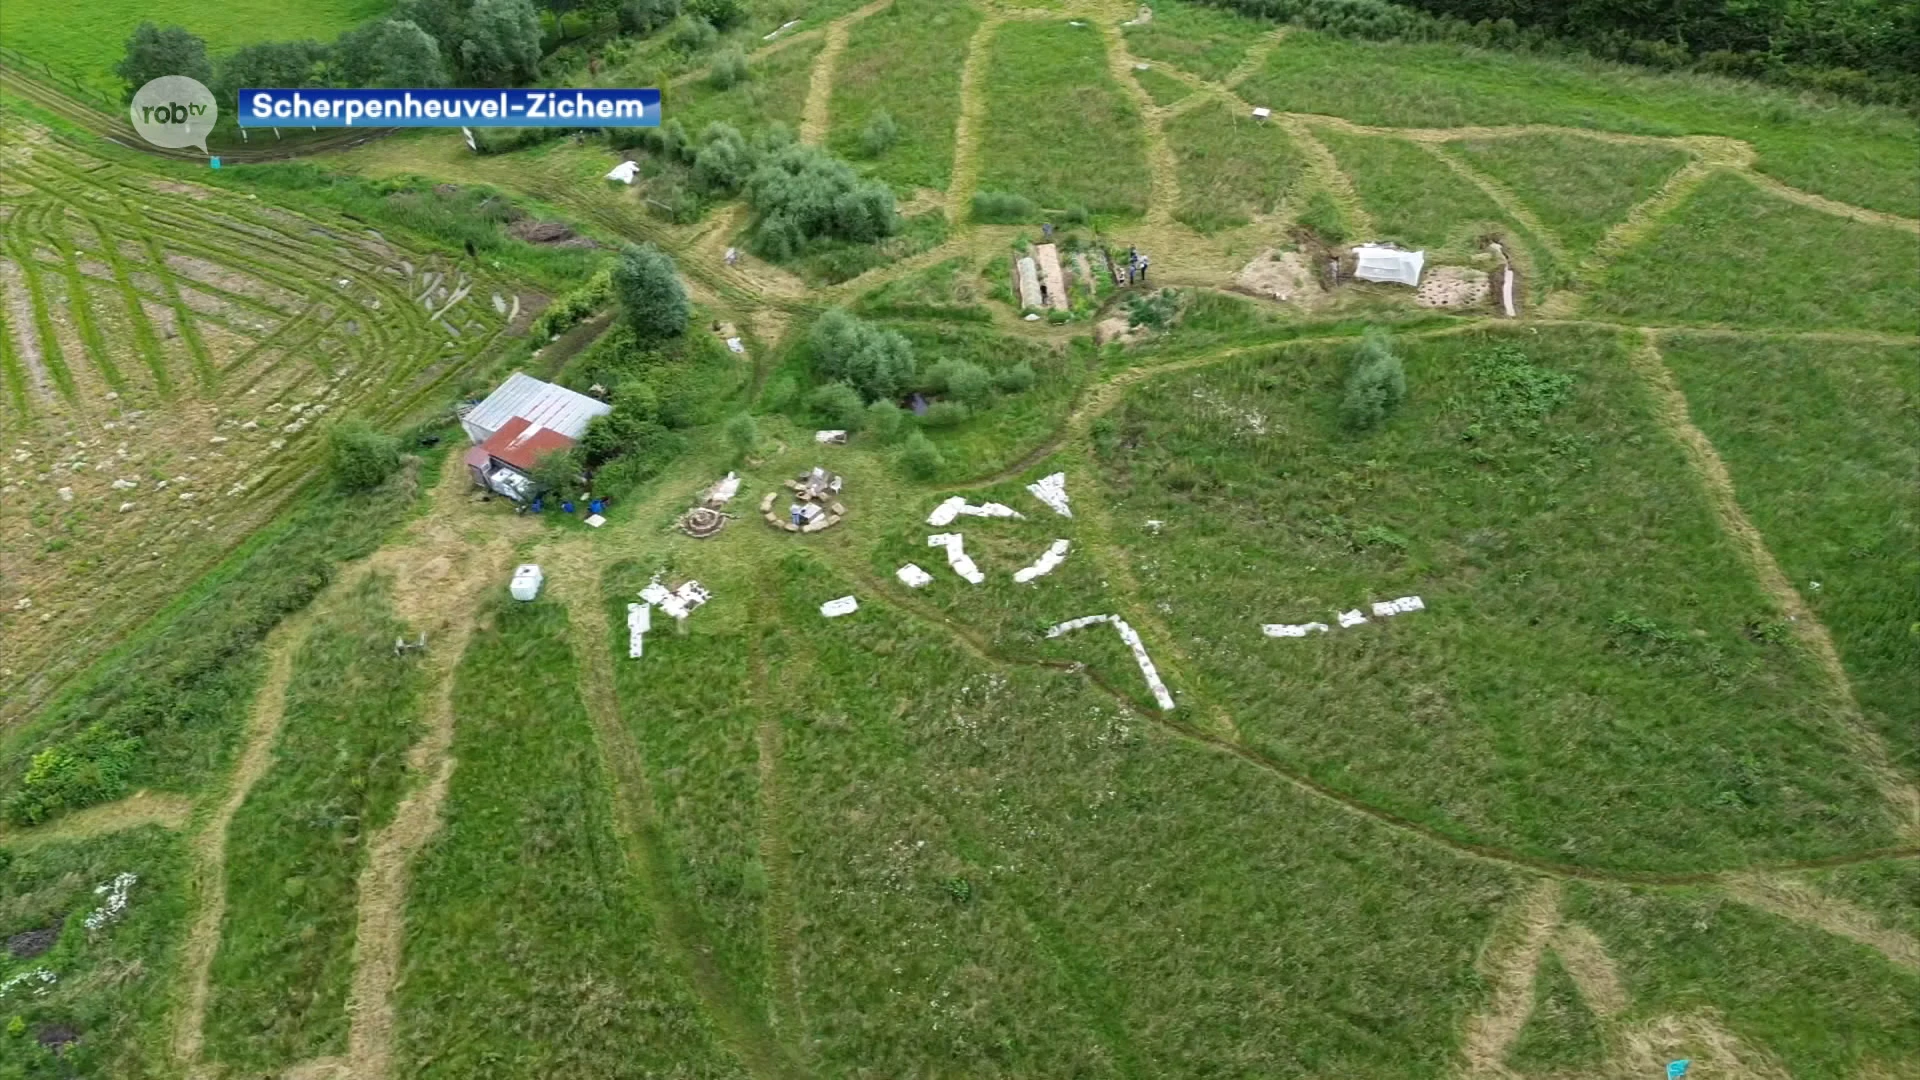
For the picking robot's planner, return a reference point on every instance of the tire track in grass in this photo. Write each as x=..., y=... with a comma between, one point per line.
x=1501, y=196
x=1671, y=411
x=788, y=1018
x=144, y=338
x=1829, y=206
x=1509, y=963
x=209, y=849
x=1592, y=970
x=1253, y=60
x=815, y=115
x=973, y=112
x=745, y=1034
x=166, y=810
x=1323, y=170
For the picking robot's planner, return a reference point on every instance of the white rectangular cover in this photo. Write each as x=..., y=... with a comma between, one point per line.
x=845, y=605
x=1373, y=262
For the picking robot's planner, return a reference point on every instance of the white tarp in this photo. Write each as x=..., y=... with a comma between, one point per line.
x=1132, y=640
x=1052, y=557
x=845, y=605
x=1351, y=618
x=1372, y=262
x=1398, y=607
x=912, y=576
x=957, y=556
x=678, y=602
x=526, y=581
x=724, y=489
x=957, y=506
x=1293, y=629
x=624, y=171
x=639, y=621
x=834, y=436
x=1052, y=490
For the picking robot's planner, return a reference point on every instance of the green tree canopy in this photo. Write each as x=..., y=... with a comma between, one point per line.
x=651, y=296
x=875, y=361
x=272, y=63
x=154, y=51
x=500, y=42
x=389, y=52
x=802, y=193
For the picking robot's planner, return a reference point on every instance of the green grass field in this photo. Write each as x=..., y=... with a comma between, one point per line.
x=1581, y=602
x=1199, y=40
x=1231, y=167
x=1600, y=805
x=1735, y=255
x=1825, y=1008
x=296, y=847
x=90, y=40
x=530, y=950
x=906, y=61
x=1059, y=130
x=1824, y=465
x=1576, y=186
x=1847, y=152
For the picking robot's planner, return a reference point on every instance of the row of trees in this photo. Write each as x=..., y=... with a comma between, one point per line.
x=1861, y=48
x=426, y=43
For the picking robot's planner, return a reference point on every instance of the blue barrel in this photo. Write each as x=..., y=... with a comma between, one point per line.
x=597, y=506
x=538, y=504
x=566, y=506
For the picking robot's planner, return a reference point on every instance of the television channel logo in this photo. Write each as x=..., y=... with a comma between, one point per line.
x=175, y=112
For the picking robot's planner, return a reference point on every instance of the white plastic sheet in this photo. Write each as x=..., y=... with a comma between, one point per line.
x=912, y=576
x=845, y=605
x=1052, y=490
x=1055, y=554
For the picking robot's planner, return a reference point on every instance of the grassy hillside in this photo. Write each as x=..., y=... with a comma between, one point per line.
x=1635, y=783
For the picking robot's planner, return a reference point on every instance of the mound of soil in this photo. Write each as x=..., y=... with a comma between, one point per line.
x=1283, y=276
x=548, y=233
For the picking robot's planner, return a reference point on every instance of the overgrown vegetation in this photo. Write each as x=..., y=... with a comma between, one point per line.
x=359, y=458
x=162, y=711
x=902, y=63
x=1231, y=167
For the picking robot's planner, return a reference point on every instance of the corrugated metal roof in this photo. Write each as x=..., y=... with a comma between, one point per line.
x=536, y=402
x=521, y=443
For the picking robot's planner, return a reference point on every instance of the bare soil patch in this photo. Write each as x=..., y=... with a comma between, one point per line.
x=1453, y=287
x=1280, y=275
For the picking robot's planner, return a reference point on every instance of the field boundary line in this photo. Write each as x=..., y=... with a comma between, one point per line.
x=965, y=172
x=816, y=115
x=1800, y=902
x=1671, y=411
x=165, y=809
x=787, y=1016
x=634, y=822
x=1828, y=206
x=1592, y=970
x=1323, y=170
x=1253, y=59
x=1503, y=197
x=1510, y=960
x=210, y=844
x=1646, y=215
x=1163, y=173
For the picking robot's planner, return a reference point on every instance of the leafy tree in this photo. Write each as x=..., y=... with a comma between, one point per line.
x=154, y=51
x=695, y=34
x=885, y=421
x=962, y=380
x=724, y=161
x=728, y=69
x=387, y=53
x=272, y=63
x=358, y=457
x=1014, y=380
x=443, y=20
x=651, y=296
x=723, y=14
x=946, y=414
x=801, y=193
x=646, y=16
x=838, y=405
x=743, y=433
x=921, y=458
x=1376, y=386
x=556, y=474
x=500, y=42
x=879, y=134
x=875, y=361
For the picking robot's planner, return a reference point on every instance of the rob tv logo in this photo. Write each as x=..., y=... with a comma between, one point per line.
x=175, y=112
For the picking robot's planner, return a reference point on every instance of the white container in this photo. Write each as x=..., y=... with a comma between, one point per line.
x=526, y=581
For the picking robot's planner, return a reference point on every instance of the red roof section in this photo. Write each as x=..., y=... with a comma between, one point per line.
x=520, y=443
